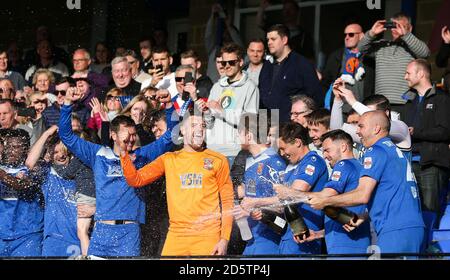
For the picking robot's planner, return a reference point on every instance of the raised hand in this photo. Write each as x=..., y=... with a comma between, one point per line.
x=70, y=95
x=377, y=28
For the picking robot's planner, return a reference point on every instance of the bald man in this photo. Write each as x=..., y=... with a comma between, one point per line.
x=388, y=187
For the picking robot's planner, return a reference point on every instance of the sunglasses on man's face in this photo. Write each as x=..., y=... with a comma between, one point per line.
x=351, y=34
x=179, y=79
x=62, y=92
x=229, y=62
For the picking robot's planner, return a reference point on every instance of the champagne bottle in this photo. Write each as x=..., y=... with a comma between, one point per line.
x=244, y=228
x=296, y=221
x=274, y=221
x=340, y=214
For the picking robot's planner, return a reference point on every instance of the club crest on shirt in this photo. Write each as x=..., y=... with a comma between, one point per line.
x=208, y=164
x=367, y=162
x=260, y=168
x=310, y=169
x=336, y=176
x=313, y=158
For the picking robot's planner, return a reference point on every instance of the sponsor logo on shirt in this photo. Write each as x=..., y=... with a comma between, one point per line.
x=336, y=176
x=367, y=163
x=191, y=180
x=114, y=171
x=260, y=168
x=310, y=170
x=208, y=163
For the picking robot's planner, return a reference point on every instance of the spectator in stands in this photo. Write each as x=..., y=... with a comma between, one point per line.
x=43, y=80
x=346, y=60
x=47, y=60
x=145, y=47
x=299, y=39
x=6, y=89
x=202, y=82
x=81, y=65
x=163, y=78
x=302, y=106
x=8, y=114
x=138, y=75
x=392, y=57
x=223, y=33
x=5, y=73
x=255, y=53
x=15, y=56
x=180, y=102
x=150, y=94
x=288, y=75
x=429, y=121
x=101, y=58
x=121, y=72
x=51, y=113
x=231, y=97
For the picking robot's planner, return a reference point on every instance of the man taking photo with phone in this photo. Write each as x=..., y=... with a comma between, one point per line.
x=162, y=77
x=392, y=57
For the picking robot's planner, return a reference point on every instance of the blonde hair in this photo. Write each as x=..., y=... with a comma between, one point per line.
x=33, y=96
x=116, y=92
x=47, y=72
x=136, y=99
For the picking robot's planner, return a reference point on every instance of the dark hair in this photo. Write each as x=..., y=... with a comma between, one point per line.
x=152, y=117
x=63, y=80
x=320, y=116
x=160, y=49
x=256, y=124
x=400, y=15
x=121, y=120
x=291, y=131
x=257, y=40
x=147, y=38
x=338, y=135
x=233, y=48
x=380, y=102
x=281, y=29
x=131, y=53
x=218, y=53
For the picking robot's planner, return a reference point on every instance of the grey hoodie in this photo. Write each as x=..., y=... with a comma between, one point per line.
x=237, y=98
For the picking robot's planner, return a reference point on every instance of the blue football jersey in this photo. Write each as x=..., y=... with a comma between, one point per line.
x=345, y=178
x=395, y=202
x=116, y=200
x=21, y=212
x=261, y=172
x=60, y=216
x=313, y=170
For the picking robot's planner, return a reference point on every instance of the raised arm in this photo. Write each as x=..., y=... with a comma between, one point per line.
x=143, y=176
x=38, y=147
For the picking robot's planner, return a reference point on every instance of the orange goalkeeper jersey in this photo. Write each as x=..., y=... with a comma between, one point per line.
x=198, y=187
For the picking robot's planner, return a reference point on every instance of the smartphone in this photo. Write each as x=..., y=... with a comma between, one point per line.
x=159, y=68
x=26, y=112
x=389, y=24
x=188, y=78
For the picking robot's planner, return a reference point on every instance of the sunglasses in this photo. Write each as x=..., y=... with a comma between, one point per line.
x=114, y=98
x=43, y=101
x=351, y=34
x=229, y=62
x=62, y=92
x=150, y=97
x=179, y=79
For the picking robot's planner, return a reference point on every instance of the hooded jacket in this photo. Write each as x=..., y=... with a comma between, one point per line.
x=236, y=98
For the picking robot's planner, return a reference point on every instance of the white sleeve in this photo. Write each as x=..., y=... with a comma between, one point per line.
x=336, y=119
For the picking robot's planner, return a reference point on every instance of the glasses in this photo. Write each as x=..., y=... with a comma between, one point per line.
x=179, y=79
x=296, y=114
x=113, y=98
x=62, y=92
x=351, y=34
x=150, y=97
x=229, y=62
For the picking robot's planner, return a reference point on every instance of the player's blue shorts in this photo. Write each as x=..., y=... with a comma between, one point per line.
x=29, y=245
x=347, y=250
x=290, y=247
x=408, y=240
x=115, y=240
x=56, y=247
x=261, y=246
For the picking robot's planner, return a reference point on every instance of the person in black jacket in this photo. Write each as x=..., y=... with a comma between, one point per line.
x=290, y=74
x=429, y=121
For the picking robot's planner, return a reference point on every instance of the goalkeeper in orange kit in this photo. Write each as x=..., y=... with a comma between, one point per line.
x=199, y=192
